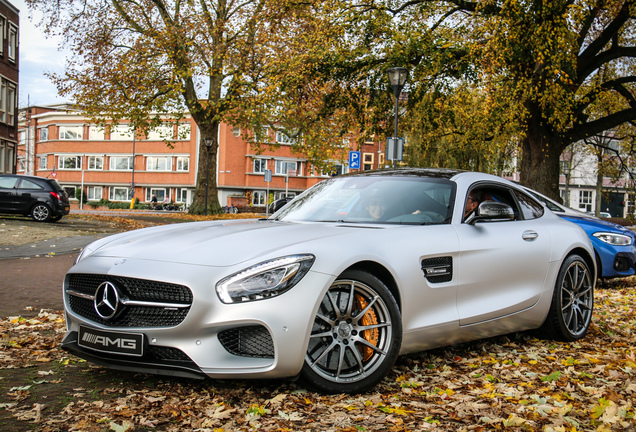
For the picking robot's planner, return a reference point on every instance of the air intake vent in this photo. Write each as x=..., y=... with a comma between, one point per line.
x=438, y=270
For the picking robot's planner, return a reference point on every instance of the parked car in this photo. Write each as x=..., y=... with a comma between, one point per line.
x=614, y=245
x=41, y=198
x=279, y=204
x=355, y=271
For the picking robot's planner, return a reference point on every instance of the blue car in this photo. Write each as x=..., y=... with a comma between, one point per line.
x=615, y=245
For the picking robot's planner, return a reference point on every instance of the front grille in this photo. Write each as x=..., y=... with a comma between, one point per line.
x=133, y=289
x=250, y=341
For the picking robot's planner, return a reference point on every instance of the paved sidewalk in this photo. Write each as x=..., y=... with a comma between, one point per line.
x=55, y=246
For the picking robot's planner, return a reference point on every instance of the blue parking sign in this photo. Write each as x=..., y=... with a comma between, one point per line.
x=354, y=159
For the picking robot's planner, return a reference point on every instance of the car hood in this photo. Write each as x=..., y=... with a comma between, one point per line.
x=219, y=243
x=592, y=225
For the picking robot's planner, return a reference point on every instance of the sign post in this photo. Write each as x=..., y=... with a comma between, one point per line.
x=268, y=179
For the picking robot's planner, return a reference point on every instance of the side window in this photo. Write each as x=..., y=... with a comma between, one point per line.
x=8, y=182
x=529, y=207
x=28, y=184
x=485, y=193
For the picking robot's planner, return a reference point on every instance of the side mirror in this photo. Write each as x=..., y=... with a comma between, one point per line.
x=491, y=211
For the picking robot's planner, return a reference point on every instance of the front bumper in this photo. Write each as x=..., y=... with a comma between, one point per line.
x=258, y=339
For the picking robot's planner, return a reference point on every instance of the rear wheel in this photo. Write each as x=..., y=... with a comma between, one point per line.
x=41, y=212
x=356, y=335
x=572, y=302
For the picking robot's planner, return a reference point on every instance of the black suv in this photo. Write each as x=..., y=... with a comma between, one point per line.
x=43, y=199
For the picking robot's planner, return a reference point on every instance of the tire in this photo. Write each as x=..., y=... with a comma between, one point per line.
x=572, y=302
x=356, y=335
x=41, y=212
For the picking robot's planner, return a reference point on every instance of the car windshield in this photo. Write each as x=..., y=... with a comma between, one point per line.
x=374, y=199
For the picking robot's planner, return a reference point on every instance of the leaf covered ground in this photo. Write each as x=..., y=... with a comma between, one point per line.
x=516, y=382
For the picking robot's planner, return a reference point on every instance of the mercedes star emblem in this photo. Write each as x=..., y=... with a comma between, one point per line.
x=106, y=300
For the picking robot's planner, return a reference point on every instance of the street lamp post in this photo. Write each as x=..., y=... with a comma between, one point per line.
x=208, y=145
x=397, y=79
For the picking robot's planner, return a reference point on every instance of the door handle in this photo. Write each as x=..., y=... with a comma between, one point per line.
x=529, y=235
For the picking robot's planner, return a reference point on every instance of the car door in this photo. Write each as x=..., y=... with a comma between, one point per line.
x=27, y=194
x=8, y=190
x=503, y=264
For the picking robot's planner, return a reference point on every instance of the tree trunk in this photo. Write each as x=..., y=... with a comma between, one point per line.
x=540, y=160
x=207, y=170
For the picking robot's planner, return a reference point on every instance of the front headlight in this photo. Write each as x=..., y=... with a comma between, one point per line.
x=613, y=238
x=265, y=280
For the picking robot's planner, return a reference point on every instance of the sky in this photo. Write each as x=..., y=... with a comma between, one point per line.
x=37, y=56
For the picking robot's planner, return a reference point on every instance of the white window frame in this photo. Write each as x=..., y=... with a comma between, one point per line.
x=44, y=133
x=113, y=163
x=259, y=198
x=160, y=133
x=183, y=163
x=43, y=162
x=262, y=165
x=96, y=133
x=121, y=133
x=21, y=164
x=3, y=23
x=94, y=193
x=585, y=200
x=10, y=103
x=67, y=188
x=159, y=163
x=182, y=195
x=112, y=192
x=160, y=193
x=283, y=138
x=96, y=163
x=13, y=42
x=71, y=133
x=61, y=162
x=184, y=131
x=283, y=166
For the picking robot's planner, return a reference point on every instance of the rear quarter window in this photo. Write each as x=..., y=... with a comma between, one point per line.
x=28, y=184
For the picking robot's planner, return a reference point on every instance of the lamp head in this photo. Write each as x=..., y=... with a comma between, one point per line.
x=208, y=142
x=397, y=78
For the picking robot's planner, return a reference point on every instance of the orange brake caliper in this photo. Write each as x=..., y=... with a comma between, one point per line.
x=372, y=336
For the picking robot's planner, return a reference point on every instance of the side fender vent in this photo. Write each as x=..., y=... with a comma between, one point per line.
x=438, y=270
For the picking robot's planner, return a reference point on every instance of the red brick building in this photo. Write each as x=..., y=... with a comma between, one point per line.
x=105, y=162
x=9, y=67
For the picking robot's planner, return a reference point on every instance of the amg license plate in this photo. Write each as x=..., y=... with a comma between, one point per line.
x=113, y=342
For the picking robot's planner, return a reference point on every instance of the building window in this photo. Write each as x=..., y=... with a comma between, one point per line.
x=183, y=163
x=585, y=200
x=236, y=132
x=260, y=165
x=121, y=133
x=96, y=133
x=283, y=167
x=44, y=133
x=160, y=133
x=282, y=194
x=13, y=42
x=367, y=159
x=183, y=132
x=70, y=191
x=258, y=198
x=121, y=162
x=3, y=23
x=338, y=169
x=43, y=161
x=120, y=194
x=22, y=137
x=69, y=162
x=381, y=160
x=94, y=193
x=159, y=193
x=10, y=108
x=96, y=162
x=159, y=164
x=21, y=164
x=182, y=195
x=283, y=138
x=71, y=132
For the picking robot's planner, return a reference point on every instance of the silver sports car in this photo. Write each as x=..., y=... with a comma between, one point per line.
x=334, y=286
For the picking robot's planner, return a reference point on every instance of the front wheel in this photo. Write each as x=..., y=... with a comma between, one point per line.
x=41, y=212
x=572, y=302
x=355, y=337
